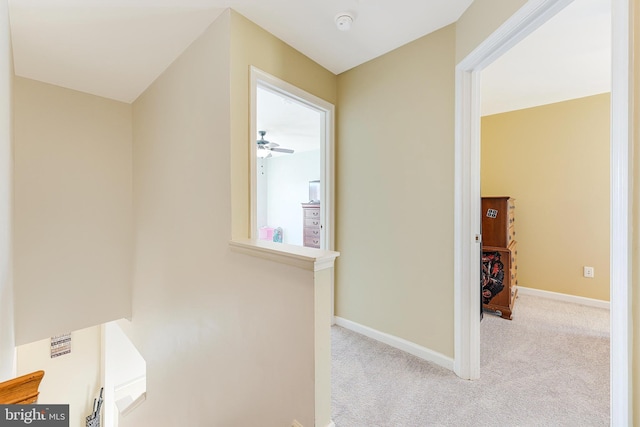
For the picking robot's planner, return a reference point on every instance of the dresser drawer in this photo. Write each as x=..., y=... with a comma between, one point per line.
x=511, y=235
x=311, y=242
x=312, y=232
x=311, y=223
x=312, y=213
x=513, y=249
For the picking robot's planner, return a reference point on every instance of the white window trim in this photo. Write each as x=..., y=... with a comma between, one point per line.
x=327, y=111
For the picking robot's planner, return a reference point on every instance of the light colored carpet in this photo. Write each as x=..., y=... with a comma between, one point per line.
x=549, y=366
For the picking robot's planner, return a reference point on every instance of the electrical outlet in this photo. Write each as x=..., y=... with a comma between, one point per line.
x=588, y=272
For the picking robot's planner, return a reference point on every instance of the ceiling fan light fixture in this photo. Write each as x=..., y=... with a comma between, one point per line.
x=263, y=152
x=344, y=21
x=266, y=148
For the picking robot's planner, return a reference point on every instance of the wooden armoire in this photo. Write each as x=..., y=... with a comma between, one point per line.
x=499, y=278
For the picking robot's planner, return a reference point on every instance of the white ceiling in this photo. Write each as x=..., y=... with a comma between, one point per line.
x=568, y=57
x=116, y=48
x=287, y=122
x=109, y=48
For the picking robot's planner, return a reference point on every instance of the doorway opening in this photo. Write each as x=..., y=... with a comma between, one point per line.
x=291, y=164
x=467, y=198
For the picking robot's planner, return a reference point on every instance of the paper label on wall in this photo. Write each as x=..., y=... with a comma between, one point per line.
x=492, y=213
x=60, y=345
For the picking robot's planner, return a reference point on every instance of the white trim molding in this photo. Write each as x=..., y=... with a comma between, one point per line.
x=467, y=201
x=591, y=302
x=127, y=404
x=621, y=359
x=298, y=256
x=399, y=343
x=259, y=78
x=467, y=177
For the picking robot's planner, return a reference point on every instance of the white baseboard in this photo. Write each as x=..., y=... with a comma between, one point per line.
x=399, y=343
x=564, y=297
x=126, y=405
x=331, y=424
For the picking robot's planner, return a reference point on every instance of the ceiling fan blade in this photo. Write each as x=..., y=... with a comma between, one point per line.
x=283, y=150
x=272, y=145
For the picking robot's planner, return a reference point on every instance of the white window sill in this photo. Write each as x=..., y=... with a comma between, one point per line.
x=298, y=256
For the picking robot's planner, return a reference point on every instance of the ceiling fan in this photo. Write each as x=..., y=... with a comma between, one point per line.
x=265, y=147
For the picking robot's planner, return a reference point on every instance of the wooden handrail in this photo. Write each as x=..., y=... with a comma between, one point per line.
x=22, y=389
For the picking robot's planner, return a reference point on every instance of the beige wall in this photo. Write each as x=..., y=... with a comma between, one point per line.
x=7, y=337
x=394, y=197
x=73, y=378
x=251, y=45
x=395, y=192
x=228, y=339
x=73, y=210
x=481, y=19
x=554, y=160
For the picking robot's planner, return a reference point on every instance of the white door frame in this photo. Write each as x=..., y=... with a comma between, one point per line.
x=265, y=80
x=467, y=195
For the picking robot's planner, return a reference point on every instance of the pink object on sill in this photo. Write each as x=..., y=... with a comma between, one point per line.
x=265, y=233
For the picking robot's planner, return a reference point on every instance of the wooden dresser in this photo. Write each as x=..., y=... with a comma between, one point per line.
x=499, y=279
x=311, y=225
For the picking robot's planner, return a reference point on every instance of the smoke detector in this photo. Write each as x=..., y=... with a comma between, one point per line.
x=344, y=21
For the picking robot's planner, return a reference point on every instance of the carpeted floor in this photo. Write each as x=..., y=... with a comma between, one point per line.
x=549, y=366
